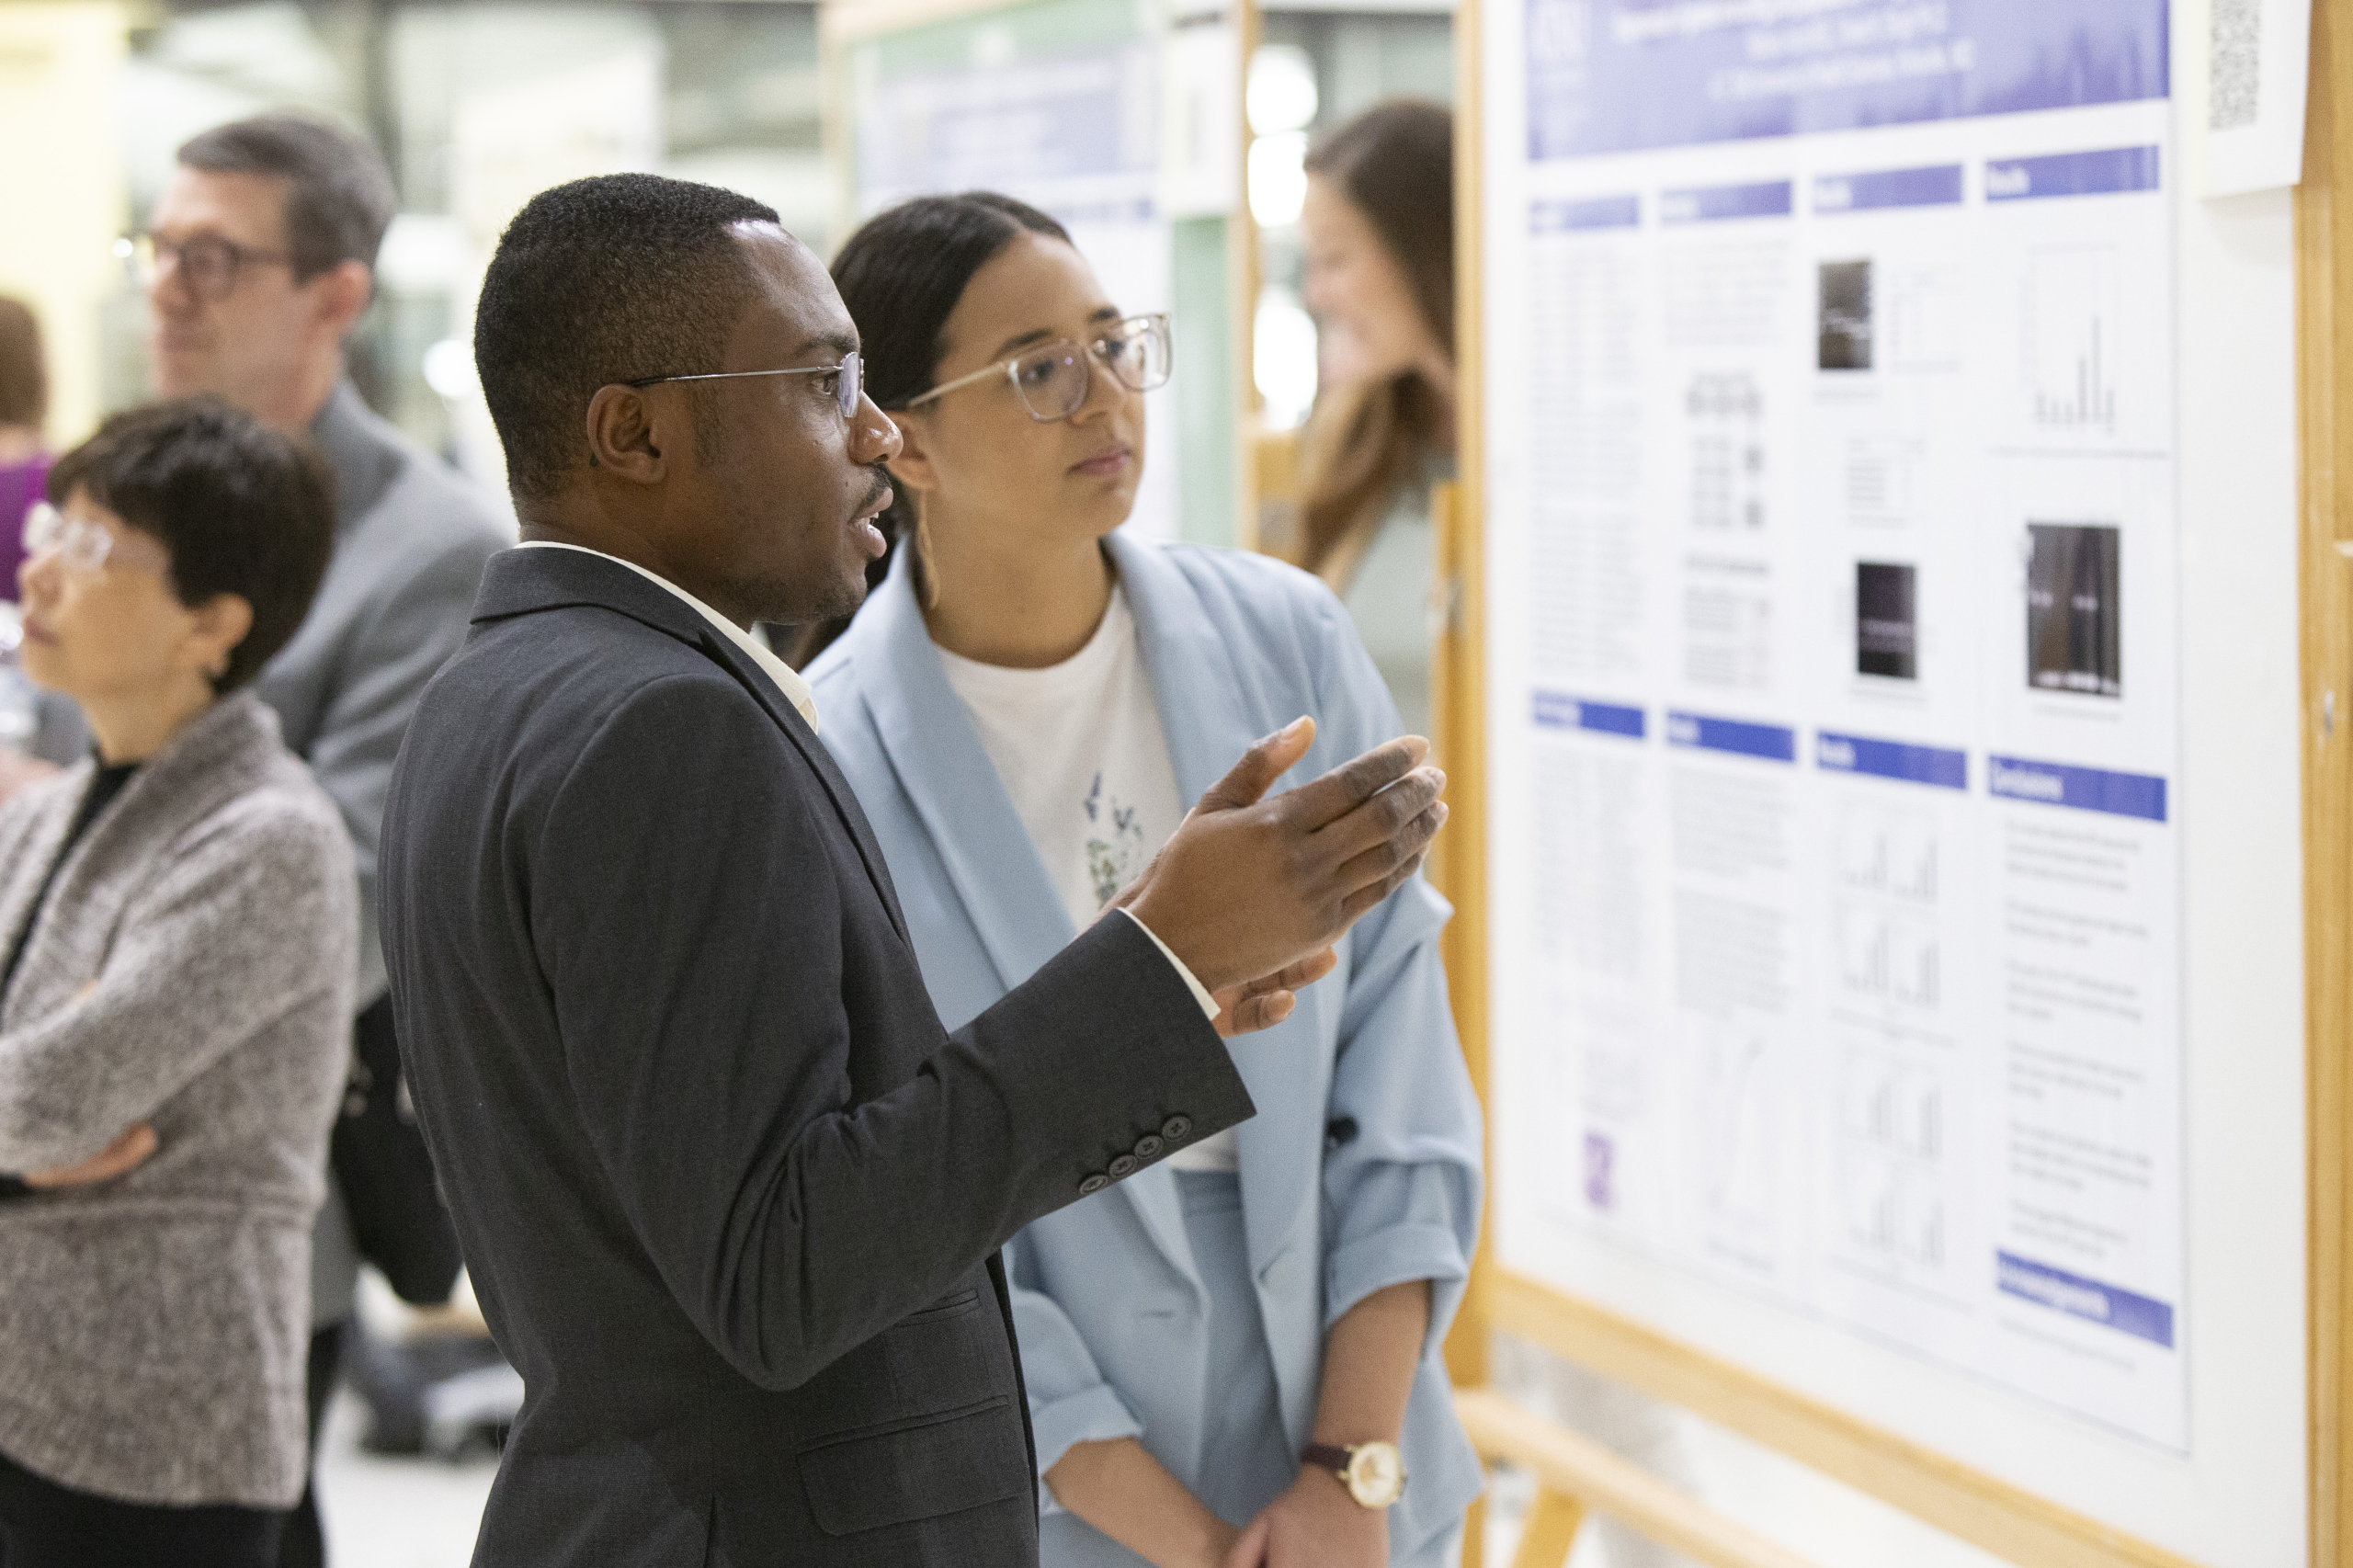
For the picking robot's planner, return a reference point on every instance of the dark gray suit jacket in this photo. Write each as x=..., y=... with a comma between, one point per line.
x=731, y=1195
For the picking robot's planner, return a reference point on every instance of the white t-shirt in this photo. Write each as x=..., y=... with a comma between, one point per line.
x=1079, y=749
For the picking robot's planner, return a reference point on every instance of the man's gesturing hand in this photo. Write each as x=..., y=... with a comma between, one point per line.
x=1249, y=887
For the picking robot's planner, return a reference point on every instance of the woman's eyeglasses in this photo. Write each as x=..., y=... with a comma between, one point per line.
x=849, y=383
x=1051, y=379
x=82, y=546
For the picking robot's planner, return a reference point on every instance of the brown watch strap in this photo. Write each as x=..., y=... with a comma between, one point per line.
x=1326, y=1456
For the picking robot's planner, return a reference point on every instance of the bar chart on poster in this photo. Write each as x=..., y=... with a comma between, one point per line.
x=1835, y=715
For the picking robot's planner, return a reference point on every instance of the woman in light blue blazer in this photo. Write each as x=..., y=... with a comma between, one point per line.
x=1023, y=706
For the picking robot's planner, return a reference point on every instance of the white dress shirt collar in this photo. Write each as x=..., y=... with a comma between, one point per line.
x=788, y=679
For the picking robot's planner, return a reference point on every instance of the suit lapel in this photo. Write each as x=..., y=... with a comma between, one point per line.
x=518, y=582
x=820, y=762
x=1211, y=709
x=1001, y=885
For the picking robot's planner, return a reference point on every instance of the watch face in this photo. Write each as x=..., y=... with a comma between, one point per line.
x=1376, y=1475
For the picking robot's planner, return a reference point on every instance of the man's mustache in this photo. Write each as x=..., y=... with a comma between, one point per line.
x=874, y=497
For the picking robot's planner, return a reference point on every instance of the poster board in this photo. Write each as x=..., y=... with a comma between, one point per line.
x=1788, y=317
x=1121, y=118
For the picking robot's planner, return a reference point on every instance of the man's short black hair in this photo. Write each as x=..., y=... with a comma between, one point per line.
x=339, y=196
x=243, y=508
x=602, y=280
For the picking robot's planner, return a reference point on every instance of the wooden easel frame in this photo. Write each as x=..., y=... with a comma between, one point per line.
x=1993, y=1514
x=2324, y=416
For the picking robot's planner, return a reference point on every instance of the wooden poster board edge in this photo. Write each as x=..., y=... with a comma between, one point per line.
x=2008, y=1520
x=2324, y=416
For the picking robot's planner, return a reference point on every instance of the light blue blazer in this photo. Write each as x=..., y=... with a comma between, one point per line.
x=1361, y=1168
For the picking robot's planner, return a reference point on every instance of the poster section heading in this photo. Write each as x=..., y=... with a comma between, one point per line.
x=2110, y=171
x=2018, y=779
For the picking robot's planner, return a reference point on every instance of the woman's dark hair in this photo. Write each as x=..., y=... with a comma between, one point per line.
x=243, y=508
x=24, y=375
x=1395, y=164
x=901, y=275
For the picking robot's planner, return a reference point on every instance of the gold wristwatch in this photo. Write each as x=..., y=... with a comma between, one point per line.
x=1374, y=1473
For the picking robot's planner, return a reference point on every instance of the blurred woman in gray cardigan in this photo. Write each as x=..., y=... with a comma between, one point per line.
x=178, y=927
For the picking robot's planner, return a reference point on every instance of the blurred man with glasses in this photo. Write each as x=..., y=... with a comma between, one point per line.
x=259, y=261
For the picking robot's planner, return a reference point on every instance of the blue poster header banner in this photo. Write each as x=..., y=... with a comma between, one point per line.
x=2087, y=1299
x=1774, y=742
x=1594, y=212
x=1709, y=204
x=1625, y=75
x=1891, y=759
x=1555, y=712
x=2073, y=174
x=2084, y=788
x=1939, y=187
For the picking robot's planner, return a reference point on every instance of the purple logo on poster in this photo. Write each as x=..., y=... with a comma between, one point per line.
x=1622, y=76
x=1599, y=1157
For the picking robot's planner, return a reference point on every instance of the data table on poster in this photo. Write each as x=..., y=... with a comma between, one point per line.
x=1832, y=675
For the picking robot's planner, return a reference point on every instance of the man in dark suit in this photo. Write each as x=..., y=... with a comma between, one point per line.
x=731, y=1195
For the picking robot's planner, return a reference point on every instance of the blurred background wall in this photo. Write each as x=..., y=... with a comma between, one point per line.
x=477, y=104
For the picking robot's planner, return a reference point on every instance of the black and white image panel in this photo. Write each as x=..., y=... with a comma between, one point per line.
x=1844, y=323
x=1887, y=619
x=2075, y=612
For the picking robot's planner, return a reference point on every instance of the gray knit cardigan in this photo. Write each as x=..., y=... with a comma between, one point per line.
x=192, y=968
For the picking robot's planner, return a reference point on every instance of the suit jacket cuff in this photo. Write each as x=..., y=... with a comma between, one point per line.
x=1200, y=993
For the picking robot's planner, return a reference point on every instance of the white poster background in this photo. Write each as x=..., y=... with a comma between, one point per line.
x=1790, y=1121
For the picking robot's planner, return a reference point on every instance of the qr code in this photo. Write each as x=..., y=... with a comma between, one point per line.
x=2238, y=36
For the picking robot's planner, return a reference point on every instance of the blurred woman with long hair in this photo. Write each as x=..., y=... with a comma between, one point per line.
x=1379, y=220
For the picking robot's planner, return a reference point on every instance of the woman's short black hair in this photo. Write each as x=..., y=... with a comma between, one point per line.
x=600, y=281
x=243, y=509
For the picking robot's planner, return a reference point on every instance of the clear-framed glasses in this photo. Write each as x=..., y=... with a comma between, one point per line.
x=1051, y=379
x=207, y=264
x=849, y=379
x=82, y=546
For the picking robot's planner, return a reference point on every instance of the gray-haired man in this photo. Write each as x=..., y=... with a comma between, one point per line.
x=264, y=245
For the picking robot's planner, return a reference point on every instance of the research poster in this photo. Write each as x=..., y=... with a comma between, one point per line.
x=1832, y=674
x=1057, y=105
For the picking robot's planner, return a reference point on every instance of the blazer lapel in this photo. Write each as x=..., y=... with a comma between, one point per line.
x=1211, y=709
x=947, y=774
x=518, y=582
x=1000, y=883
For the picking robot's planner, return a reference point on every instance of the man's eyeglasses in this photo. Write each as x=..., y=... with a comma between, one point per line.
x=849, y=383
x=82, y=546
x=207, y=264
x=1051, y=381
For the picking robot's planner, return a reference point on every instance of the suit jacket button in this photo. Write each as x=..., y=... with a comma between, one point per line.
x=1148, y=1145
x=1123, y=1167
x=1177, y=1128
x=1092, y=1185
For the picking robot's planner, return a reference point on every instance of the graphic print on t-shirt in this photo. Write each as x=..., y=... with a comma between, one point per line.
x=1117, y=850
x=1079, y=749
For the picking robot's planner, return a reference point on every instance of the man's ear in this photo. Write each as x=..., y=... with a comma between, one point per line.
x=623, y=442
x=345, y=291
x=222, y=622
x=912, y=468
